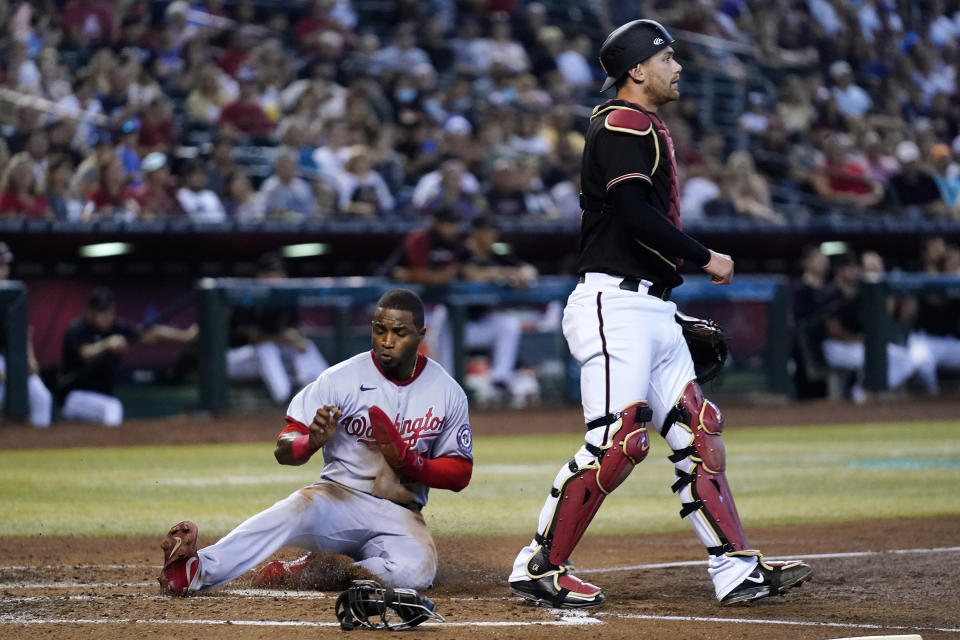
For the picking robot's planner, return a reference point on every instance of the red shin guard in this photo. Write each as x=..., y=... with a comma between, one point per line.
x=582, y=494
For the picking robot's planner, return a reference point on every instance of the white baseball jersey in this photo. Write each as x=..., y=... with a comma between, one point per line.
x=351, y=510
x=429, y=411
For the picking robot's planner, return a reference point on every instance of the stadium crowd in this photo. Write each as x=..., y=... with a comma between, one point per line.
x=217, y=111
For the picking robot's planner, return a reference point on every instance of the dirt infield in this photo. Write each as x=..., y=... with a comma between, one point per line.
x=109, y=585
x=886, y=577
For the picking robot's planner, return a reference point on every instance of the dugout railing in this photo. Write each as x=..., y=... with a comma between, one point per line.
x=217, y=297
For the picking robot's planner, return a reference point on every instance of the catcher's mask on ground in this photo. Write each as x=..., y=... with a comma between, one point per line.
x=370, y=605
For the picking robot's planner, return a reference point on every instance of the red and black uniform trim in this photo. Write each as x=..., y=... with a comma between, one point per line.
x=631, y=217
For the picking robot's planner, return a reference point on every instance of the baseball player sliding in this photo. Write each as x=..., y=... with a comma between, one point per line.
x=636, y=368
x=391, y=424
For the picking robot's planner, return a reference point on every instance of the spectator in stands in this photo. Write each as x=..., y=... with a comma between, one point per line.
x=506, y=53
x=235, y=57
x=196, y=200
x=773, y=46
x=206, y=99
x=285, y=195
x=264, y=341
x=241, y=202
x=436, y=45
x=90, y=23
x=745, y=191
x=852, y=100
x=87, y=176
x=244, y=116
x=451, y=194
x=157, y=131
x=35, y=155
x=113, y=197
x=64, y=204
x=220, y=165
x=311, y=28
x=332, y=154
x=19, y=192
x=505, y=198
x=914, y=191
x=430, y=189
x=568, y=56
x=116, y=100
x=403, y=54
x=93, y=347
x=536, y=198
x=83, y=105
x=794, y=107
x=756, y=118
x=843, y=180
x=878, y=164
x=154, y=195
x=362, y=191
x=39, y=398
x=61, y=135
x=843, y=346
x=386, y=160
x=949, y=185
x=127, y=135
x=21, y=69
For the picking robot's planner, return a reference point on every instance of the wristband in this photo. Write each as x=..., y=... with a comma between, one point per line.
x=302, y=450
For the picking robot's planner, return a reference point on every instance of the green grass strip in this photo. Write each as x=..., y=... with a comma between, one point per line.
x=795, y=475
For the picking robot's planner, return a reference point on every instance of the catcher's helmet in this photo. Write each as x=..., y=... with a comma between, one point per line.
x=631, y=44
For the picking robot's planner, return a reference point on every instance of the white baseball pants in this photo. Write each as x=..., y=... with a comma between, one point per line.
x=900, y=360
x=499, y=331
x=39, y=398
x=938, y=351
x=631, y=349
x=91, y=406
x=389, y=541
x=267, y=361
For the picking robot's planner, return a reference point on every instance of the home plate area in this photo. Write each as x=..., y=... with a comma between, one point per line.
x=888, y=579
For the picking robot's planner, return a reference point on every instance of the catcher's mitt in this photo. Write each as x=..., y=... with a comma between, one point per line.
x=392, y=609
x=707, y=344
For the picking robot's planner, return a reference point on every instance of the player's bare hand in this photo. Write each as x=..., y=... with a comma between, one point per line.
x=324, y=425
x=720, y=268
x=116, y=342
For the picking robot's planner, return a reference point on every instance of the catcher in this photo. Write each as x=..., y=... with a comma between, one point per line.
x=391, y=424
x=636, y=369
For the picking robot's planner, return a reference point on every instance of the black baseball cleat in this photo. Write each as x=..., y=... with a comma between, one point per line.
x=557, y=588
x=768, y=579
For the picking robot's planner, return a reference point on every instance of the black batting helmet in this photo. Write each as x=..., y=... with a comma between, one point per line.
x=629, y=45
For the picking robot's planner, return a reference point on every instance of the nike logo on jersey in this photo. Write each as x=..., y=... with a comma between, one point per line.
x=363, y=388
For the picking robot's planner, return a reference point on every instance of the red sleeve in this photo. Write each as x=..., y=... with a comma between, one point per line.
x=417, y=247
x=294, y=426
x=446, y=472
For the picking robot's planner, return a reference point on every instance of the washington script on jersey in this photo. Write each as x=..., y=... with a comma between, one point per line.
x=427, y=426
